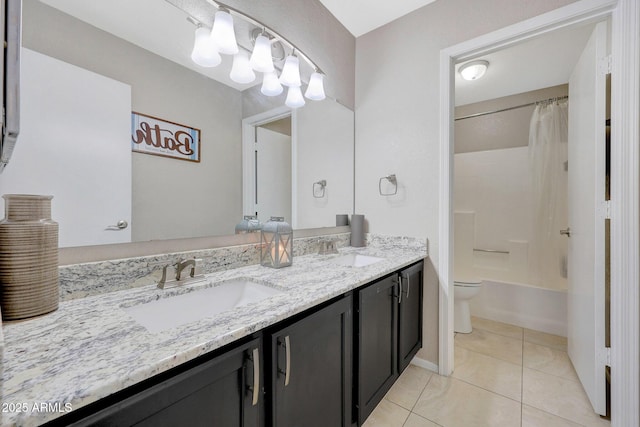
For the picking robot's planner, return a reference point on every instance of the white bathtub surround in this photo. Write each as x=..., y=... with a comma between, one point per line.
x=522, y=305
x=493, y=209
x=91, y=348
x=82, y=280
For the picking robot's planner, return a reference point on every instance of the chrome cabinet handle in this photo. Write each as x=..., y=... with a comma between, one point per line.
x=400, y=290
x=287, y=368
x=256, y=376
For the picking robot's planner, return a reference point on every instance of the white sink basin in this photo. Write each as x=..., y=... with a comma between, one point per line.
x=178, y=310
x=356, y=260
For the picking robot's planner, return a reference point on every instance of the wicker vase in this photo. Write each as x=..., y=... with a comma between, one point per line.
x=28, y=257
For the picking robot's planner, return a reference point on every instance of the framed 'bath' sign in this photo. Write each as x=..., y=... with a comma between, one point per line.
x=151, y=135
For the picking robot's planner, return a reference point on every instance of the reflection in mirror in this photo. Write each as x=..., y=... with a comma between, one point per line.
x=81, y=83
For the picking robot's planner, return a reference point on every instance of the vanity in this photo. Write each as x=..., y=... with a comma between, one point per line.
x=326, y=347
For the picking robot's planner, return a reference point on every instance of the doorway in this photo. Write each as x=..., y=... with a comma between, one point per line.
x=625, y=165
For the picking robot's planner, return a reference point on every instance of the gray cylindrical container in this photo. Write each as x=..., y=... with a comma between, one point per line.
x=357, y=230
x=342, y=219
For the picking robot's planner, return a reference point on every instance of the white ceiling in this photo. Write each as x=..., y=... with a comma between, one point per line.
x=362, y=16
x=536, y=64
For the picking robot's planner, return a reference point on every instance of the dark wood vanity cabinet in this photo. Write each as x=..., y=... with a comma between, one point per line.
x=311, y=369
x=388, y=334
x=223, y=391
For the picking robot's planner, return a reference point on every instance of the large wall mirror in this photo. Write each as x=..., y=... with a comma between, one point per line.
x=88, y=65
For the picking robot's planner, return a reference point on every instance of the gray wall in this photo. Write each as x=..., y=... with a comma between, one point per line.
x=397, y=118
x=506, y=129
x=171, y=198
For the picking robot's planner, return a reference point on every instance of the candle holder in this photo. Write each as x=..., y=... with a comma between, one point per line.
x=276, y=250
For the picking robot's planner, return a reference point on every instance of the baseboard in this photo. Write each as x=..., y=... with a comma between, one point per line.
x=421, y=363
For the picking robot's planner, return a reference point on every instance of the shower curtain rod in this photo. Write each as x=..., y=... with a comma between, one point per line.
x=484, y=113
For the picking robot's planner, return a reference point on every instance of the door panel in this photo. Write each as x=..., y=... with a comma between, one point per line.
x=586, y=198
x=273, y=172
x=410, y=315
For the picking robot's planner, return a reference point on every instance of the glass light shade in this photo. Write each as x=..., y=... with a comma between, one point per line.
x=223, y=34
x=294, y=97
x=271, y=85
x=261, y=59
x=291, y=72
x=205, y=53
x=315, y=90
x=473, y=70
x=241, y=71
x=276, y=249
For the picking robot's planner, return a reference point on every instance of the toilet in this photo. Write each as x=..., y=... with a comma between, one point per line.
x=463, y=291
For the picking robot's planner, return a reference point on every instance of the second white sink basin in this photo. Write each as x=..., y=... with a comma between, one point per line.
x=356, y=260
x=166, y=313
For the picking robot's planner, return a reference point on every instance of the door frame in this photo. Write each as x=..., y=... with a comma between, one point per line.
x=625, y=183
x=248, y=159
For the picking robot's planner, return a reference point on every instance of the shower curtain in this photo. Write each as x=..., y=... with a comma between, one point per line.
x=547, y=157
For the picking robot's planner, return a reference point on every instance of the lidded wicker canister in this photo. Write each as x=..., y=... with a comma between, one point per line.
x=28, y=257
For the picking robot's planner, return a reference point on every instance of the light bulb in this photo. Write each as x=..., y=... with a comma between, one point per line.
x=261, y=59
x=294, y=97
x=270, y=84
x=315, y=90
x=291, y=72
x=241, y=71
x=204, y=51
x=223, y=34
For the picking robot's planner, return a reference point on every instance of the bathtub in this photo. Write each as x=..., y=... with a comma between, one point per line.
x=523, y=305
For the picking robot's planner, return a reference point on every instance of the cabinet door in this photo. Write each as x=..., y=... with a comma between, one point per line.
x=219, y=392
x=410, y=315
x=312, y=369
x=377, y=343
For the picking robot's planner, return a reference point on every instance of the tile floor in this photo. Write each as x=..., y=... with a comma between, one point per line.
x=504, y=376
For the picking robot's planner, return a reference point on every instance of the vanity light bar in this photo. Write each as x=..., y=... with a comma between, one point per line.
x=269, y=31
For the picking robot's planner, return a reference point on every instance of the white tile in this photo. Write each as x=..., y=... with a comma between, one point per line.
x=532, y=417
x=407, y=389
x=488, y=373
x=450, y=402
x=490, y=344
x=548, y=340
x=499, y=328
x=417, y=421
x=559, y=396
x=548, y=360
x=387, y=414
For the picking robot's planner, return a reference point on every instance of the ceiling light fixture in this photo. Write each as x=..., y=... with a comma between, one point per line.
x=268, y=45
x=473, y=70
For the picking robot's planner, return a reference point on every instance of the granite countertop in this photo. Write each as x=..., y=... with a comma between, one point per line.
x=90, y=348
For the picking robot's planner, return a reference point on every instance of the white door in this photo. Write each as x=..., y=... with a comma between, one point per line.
x=75, y=145
x=586, y=326
x=273, y=172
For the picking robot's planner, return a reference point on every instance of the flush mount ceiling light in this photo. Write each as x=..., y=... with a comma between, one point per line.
x=267, y=46
x=473, y=70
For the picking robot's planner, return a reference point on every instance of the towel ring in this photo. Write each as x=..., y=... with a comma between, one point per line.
x=392, y=179
x=322, y=184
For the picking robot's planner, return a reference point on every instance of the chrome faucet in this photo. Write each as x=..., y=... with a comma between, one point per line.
x=172, y=273
x=181, y=265
x=327, y=247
